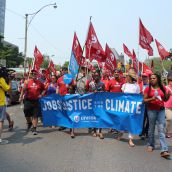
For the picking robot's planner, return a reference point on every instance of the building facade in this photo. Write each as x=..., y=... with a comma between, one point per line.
x=2, y=16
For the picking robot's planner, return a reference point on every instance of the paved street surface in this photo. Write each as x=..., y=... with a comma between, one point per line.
x=54, y=151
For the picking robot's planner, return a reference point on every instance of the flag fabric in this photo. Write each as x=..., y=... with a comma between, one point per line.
x=77, y=50
x=134, y=55
x=146, y=69
x=135, y=62
x=145, y=38
x=93, y=47
x=110, y=62
x=38, y=59
x=51, y=67
x=47, y=73
x=127, y=51
x=135, y=65
x=73, y=65
x=162, y=51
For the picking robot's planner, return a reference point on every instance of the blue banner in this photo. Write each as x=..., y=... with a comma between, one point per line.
x=73, y=65
x=120, y=111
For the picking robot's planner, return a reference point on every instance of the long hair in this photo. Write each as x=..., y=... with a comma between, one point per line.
x=158, y=76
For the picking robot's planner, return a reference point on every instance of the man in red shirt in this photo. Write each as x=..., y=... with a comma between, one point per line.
x=62, y=88
x=116, y=83
x=33, y=90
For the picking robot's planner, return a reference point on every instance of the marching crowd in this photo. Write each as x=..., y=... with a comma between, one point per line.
x=157, y=99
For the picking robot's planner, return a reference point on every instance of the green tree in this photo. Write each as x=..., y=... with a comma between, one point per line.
x=158, y=64
x=11, y=55
x=66, y=63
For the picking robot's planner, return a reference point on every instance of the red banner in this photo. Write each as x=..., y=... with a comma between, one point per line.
x=146, y=69
x=110, y=62
x=162, y=51
x=127, y=51
x=38, y=59
x=94, y=49
x=145, y=39
x=77, y=50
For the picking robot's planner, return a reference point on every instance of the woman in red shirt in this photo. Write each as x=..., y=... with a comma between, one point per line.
x=155, y=95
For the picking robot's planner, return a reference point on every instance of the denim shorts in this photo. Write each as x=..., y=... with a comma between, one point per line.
x=2, y=113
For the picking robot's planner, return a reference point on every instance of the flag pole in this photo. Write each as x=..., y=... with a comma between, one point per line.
x=89, y=50
x=80, y=63
x=138, y=51
x=162, y=64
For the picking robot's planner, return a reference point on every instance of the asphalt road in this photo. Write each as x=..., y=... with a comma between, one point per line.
x=54, y=151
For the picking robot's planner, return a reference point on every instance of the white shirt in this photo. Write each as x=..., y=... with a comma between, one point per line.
x=130, y=88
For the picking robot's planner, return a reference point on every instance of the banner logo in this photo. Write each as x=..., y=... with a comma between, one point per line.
x=76, y=118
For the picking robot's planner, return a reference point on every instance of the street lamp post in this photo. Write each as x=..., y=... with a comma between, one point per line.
x=26, y=29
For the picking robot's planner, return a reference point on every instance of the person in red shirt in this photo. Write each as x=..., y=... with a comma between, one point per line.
x=63, y=88
x=105, y=80
x=116, y=83
x=33, y=90
x=154, y=96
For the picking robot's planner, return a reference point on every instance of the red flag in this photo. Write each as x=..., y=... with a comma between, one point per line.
x=135, y=62
x=127, y=51
x=52, y=67
x=145, y=39
x=94, y=49
x=47, y=73
x=110, y=62
x=77, y=50
x=38, y=59
x=162, y=51
x=134, y=55
x=146, y=69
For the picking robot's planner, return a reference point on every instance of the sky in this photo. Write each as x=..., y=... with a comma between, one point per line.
x=115, y=23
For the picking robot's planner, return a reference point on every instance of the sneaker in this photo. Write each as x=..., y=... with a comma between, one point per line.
x=29, y=125
x=62, y=128
x=34, y=132
x=39, y=121
x=11, y=125
x=3, y=142
x=165, y=154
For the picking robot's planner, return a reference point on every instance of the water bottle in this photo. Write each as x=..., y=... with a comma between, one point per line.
x=156, y=93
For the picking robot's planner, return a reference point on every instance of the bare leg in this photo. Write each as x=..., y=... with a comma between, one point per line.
x=1, y=128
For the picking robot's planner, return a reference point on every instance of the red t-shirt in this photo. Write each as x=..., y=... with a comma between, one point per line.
x=34, y=89
x=155, y=104
x=63, y=88
x=115, y=86
x=106, y=82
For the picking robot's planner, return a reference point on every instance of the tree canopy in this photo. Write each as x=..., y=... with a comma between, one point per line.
x=11, y=55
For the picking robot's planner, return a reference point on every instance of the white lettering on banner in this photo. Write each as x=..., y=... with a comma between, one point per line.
x=132, y=108
x=123, y=106
x=127, y=107
x=138, y=109
x=75, y=104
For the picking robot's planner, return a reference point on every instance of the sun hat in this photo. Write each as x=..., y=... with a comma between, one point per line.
x=132, y=74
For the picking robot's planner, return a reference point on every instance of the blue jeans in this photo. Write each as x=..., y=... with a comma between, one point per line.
x=159, y=117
